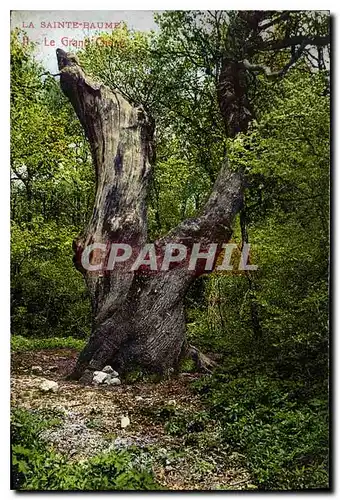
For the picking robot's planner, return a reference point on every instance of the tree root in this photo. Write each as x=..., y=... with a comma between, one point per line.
x=202, y=362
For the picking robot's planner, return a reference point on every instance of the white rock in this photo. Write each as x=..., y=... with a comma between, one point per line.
x=139, y=398
x=107, y=369
x=107, y=380
x=113, y=381
x=124, y=422
x=49, y=386
x=110, y=370
x=100, y=377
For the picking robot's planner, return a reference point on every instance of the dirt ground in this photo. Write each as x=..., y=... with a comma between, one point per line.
x=91, y=422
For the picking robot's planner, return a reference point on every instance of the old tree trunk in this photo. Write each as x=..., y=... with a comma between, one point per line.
x=138, y=317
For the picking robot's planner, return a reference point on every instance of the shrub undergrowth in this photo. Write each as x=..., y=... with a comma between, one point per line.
x=37, y=466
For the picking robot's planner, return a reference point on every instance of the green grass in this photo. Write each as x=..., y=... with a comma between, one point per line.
x=19, y=343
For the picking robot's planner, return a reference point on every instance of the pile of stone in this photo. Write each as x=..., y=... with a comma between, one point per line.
x=107, y=376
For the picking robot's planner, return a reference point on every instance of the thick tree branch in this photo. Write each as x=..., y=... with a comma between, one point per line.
x=317, y=41
x=120, y=138
x=275, y=74
x=283, y=17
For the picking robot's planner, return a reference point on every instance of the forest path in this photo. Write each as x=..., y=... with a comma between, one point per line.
x=167, y=422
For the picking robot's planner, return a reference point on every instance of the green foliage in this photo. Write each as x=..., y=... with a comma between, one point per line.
x=177, y=421
x=20, y=343
x=280, y=428
x=184, y=423
x=51, y=193
x=48, y=294
x=187, y=365
x=38, y=467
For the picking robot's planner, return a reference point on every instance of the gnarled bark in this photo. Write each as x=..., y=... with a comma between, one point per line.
x=138, y=318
